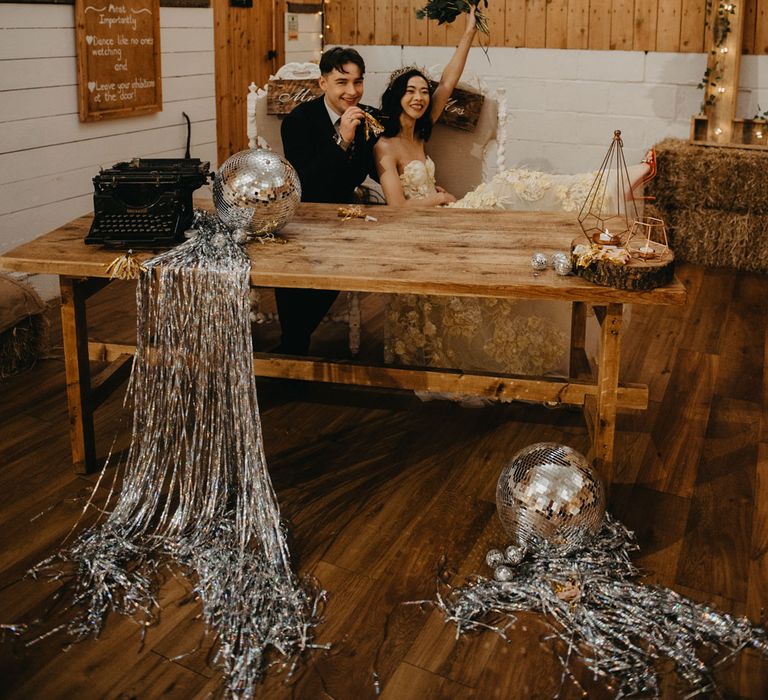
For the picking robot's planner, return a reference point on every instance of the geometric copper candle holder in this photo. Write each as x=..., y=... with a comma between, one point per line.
x=609, y=211
x=648, y=239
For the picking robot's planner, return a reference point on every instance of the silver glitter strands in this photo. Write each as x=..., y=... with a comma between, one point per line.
x=196, y=491
x=617, y=627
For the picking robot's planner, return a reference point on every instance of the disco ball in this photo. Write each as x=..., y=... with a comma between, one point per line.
x=550, y=499
x=256, y=191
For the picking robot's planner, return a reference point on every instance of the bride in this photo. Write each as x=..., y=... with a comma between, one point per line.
x=451, y=332
x=523, y=337
x=409, y=109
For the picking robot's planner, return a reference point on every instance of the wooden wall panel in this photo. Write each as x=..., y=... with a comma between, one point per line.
x=750, y=26
x=496, y=23
x=514, y=23
x=692, y=26
x=437, y=34
x=366, y=22
x=418, y=28
x=761, y=32
x=383, y=22
x=600, y=24
x=622, y=24
x=628, y=25
x=401, y=22
x=348, y=32
x=556, y=29
x=536, y=24
x=454, y=31
x=578, y=24
x=243, y=37
x=668, y=33
x=332, y=19
x=644, y=38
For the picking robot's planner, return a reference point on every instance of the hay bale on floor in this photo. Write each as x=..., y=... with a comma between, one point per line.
x=695, y=177
x=715, y=204
x=23, y=326
x=719, y=238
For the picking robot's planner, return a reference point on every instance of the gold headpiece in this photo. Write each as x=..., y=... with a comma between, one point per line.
x=395, y=74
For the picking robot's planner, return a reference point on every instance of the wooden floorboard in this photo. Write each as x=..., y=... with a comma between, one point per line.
x=384, y=493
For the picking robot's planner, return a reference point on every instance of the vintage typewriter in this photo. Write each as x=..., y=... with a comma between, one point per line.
x=145, y=202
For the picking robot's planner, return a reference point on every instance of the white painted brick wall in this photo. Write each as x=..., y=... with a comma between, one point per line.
x=611, y=66
x=577, y=96
x=564, y=105
x=675, y=68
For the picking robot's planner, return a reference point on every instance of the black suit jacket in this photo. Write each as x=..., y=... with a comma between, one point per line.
x=327, y=173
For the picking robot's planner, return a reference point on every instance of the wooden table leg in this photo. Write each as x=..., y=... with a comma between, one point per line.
x=74, y=328
x=607, y=389
x=579, y=365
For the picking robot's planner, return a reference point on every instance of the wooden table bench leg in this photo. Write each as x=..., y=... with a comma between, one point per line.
x=607, y=389
x=579, y=366
x=74, y=328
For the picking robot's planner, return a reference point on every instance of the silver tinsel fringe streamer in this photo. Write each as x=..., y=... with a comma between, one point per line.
x=615, y=625
x=195, y=489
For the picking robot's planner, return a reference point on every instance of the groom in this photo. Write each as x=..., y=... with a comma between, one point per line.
x=332, y=156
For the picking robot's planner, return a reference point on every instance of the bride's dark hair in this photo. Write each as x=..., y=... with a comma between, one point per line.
x=391, y=109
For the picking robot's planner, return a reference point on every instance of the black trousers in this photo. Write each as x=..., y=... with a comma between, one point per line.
x=300, y=312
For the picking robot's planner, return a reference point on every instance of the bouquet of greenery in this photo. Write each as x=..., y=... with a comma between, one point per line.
x=445, y=11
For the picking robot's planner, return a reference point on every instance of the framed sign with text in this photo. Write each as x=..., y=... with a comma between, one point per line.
x=118, y=58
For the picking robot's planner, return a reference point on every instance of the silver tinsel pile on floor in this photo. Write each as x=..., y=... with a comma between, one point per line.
x=195, y=490
x=615, y=625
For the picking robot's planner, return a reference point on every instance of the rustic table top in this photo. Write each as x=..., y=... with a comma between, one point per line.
x=466, y=252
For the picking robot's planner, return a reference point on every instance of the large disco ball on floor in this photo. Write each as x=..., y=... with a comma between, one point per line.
x=257, y=191
x=550, y=499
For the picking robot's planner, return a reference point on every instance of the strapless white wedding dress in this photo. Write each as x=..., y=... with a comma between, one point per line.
x=476, y=335
x=418, y=179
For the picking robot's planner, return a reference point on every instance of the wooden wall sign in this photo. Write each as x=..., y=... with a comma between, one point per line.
x=118, y=58
x=463, y=109
x=284, y=95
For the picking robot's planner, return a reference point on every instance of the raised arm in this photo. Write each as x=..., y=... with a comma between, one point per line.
x=386, y=166
x=454, y=69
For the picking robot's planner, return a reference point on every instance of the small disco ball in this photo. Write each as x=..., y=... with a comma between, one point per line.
x=257, y=191
x=550, y=499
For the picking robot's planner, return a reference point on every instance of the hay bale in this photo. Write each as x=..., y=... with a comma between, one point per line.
x=720, y=238
x=22, y=345
x=714, y=202
x=694, y=177
x=23, y=326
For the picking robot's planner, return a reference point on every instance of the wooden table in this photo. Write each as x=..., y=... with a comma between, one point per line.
x=428, y=251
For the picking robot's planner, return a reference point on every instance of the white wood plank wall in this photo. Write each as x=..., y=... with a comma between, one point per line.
x=47, y=156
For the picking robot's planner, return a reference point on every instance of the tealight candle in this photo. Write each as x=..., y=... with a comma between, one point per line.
x=606, y=236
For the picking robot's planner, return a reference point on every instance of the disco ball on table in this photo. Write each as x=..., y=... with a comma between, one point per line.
x=256, y=191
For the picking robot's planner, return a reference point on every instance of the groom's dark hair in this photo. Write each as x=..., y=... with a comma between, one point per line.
x=391, y=107
x=338, y=57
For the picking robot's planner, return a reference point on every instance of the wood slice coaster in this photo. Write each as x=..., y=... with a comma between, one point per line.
x=638, y=274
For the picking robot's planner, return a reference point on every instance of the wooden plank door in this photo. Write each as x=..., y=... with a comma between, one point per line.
x=245, y=39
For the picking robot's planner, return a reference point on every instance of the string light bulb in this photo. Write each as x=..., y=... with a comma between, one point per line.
x=721, y=90
x=718, y=131
x=723, y=49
